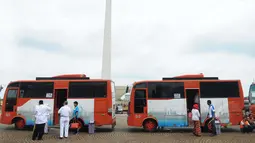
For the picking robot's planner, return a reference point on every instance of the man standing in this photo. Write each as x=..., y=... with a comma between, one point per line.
x=41, y=113
x=65, y=113
x=46, y=128
x=211, y=116
x=75, y=114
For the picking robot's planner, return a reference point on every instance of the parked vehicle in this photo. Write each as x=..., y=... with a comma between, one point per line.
x=251, y=98
x=96, y=98
x=165, y=103
x=119, y=109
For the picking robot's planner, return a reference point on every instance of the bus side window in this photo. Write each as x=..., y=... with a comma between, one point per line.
x=11, y=100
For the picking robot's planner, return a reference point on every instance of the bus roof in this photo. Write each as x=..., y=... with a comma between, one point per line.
x=66, y=77
x=142, y=81
x=52, y=80
x=185, y=78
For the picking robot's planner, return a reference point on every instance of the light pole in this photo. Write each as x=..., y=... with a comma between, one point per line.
x=106, y=59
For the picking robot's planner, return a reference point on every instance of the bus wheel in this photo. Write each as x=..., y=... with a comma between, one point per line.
x=150, y=125
x=19, y=124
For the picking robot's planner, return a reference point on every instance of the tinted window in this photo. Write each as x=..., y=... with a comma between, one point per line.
x=36, y=89
x=87, y=89
x=166, y=89
x=219, y=89
x=11, y=100
x=140, y=101
x=141, y=85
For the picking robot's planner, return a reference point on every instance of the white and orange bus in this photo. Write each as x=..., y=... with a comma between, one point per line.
x=251, y=98
x=96, y=98
x=165, y=103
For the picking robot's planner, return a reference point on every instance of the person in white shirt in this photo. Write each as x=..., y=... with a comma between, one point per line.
x=46, y=128
x=196, y=120
x=65, y=113
x=41, y=113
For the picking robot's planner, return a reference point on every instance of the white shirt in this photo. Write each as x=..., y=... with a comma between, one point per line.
x=211, y=111
x=41, y=114
x=195, y=115
x=65, y=111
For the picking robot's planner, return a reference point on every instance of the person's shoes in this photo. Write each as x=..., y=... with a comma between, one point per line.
x=66, y=137
x=212, y=135
x=60, y=137
x=76, y=133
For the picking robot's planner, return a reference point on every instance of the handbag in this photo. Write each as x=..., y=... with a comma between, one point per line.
x=74, y=125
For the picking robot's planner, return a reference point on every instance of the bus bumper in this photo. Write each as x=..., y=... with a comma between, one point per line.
x=5, y=120
x=130, y=122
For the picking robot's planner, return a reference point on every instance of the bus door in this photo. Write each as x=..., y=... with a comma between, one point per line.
x=192, y=97
x=60, y=98
x=140, y=105
x=10, y=102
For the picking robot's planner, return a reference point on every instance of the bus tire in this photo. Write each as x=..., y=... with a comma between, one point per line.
x=19, y=123
x=150, y=125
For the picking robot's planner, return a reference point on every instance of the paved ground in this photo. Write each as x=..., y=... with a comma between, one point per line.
x=124, y=134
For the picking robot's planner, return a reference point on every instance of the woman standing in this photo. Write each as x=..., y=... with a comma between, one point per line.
x=196, y=120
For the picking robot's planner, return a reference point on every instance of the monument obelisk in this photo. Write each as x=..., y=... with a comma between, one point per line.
x=106, y=63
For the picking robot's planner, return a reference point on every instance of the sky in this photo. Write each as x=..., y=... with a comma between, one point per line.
x=151, y=39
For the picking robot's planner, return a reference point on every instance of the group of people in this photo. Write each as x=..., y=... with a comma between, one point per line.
x=196, y=117
x=42, y=113
x=247, y=125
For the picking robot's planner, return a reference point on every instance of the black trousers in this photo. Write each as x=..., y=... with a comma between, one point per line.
x=212, y=121
x=38, y=131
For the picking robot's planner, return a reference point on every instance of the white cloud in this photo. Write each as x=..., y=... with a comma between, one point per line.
x=150, y=39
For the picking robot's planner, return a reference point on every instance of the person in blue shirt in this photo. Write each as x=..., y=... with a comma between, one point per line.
x=211, y=116
x=76, y=114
